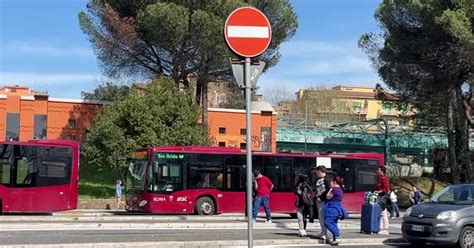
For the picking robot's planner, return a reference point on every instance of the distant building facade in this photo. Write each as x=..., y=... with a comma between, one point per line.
x=27, y=114
x=364, y=103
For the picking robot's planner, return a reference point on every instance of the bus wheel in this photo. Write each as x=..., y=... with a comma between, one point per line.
x=205, y=206
x=1, y=207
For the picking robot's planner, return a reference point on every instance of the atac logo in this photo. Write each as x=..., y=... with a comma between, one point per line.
x=182, y=199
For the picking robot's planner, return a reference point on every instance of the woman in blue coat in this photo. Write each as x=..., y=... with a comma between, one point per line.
x=334, y=209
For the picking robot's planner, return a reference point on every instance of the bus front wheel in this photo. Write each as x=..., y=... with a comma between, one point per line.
x=205, y=206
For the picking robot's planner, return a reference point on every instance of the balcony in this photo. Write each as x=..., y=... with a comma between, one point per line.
x=389, y=112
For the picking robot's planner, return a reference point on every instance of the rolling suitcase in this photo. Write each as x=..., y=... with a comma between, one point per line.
x=370, y=218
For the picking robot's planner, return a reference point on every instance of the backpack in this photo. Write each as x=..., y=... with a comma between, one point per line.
x=306, y=195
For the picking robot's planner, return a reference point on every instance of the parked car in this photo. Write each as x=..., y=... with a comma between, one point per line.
x=448, y=218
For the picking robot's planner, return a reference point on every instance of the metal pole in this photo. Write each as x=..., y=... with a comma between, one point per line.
x=305, y=123
x=248, y=146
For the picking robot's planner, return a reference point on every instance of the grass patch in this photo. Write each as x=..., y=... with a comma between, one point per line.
x=428, y=187
x=97, y=183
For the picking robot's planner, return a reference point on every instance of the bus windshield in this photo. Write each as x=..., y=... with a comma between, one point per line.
x=166, y=174
x=135, y=176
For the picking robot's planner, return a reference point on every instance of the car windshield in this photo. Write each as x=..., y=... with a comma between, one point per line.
x=455, y=194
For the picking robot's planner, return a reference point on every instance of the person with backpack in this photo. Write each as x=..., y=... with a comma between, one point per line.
x=323, y=184
x=304, y=203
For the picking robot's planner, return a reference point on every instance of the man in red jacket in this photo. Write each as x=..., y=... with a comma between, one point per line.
x=263, y=186
x=383, y=188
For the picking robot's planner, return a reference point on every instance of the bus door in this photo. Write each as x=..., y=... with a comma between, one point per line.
x=279, y=170
x=41, y=178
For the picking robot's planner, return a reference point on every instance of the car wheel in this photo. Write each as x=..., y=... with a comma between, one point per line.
x=417, y=243
x=466, y=239
x=205, y=206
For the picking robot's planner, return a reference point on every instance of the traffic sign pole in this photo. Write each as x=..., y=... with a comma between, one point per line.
x=248, y=33
x=248, y=146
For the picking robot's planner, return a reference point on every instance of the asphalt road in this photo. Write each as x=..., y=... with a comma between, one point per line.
x=105, y=236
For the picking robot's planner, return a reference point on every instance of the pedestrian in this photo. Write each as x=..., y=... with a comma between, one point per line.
x=334, y=210
x=383, y=189
x=118, y=193
x=263, y=187
x=415, y=196
x=394, y=210
x=304, y=203
x=323, y=184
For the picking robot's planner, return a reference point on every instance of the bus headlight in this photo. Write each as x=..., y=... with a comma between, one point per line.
x=142, y=203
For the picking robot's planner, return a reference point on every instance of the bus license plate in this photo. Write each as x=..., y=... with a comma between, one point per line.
x=417, y=228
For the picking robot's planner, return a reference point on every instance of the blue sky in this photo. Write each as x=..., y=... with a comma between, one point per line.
x=42, y=46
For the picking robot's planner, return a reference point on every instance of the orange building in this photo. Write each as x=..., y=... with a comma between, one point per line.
x=227, y=127
x=27, y=114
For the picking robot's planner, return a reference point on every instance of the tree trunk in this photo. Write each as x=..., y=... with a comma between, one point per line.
x=463, y=123
x=203, y=81
x=198, y=92
x=451, y=135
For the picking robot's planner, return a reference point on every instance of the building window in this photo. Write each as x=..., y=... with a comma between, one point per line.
x=221, y=144
x=243, y=131
x=243, y=146
x=71, y=137
x=387, y=106
x=13, y=127
x=72, y=123
x=40, y=128
x=222, y=130
x=356, y=105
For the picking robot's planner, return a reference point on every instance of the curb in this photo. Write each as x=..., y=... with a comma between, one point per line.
x=124, y=225
x=213, y=244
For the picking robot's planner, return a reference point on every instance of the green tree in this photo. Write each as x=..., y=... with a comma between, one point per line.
x=425, y=52
x=160, y=115
x=176, y=38
x=107, y=91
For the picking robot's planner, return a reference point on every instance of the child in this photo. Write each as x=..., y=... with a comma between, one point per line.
x=118, y=193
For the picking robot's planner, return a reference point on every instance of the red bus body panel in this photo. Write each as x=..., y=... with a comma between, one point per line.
x=183, y=201
x=48, y=198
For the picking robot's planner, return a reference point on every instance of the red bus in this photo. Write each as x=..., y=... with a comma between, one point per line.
x=211, y=180
x=38, y=176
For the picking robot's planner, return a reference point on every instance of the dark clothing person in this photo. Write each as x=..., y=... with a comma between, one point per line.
x=304, y=203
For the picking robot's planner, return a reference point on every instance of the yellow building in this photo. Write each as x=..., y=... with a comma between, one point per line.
x=359, y=103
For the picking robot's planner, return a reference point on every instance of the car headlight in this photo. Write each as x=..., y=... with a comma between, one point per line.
x=142, y=203
x=446, y=215
x=408, y=211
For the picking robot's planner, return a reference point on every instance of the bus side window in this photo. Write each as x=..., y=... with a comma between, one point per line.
x=300, y=166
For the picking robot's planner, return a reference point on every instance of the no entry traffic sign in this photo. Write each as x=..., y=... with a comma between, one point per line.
x=247, y=32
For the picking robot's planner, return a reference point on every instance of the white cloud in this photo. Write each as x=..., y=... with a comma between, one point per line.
x=50, y=50
x=314, y=49
x=349, y=64
x=40, y=79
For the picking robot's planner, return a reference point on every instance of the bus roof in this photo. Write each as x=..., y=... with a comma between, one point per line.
x=43, y=142
x=237, y=151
